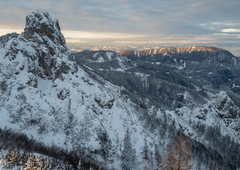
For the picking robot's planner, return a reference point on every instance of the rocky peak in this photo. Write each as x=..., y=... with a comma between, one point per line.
x=49, y=43
x=42, y=24
x=42, y=45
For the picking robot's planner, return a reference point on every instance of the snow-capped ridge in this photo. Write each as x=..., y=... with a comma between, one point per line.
x=172, y=50
x=5, y=38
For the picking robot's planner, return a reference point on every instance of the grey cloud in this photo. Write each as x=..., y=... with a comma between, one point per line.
x=159, y=19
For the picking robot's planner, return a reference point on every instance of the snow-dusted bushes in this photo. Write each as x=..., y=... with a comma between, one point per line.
x=22, y=152
x=26, y=161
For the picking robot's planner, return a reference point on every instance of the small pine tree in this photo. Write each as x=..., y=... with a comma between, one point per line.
x=46, y=164
x=145, y=151
x=151, y=159
x=156, y=153
x=127, y=153
x=159, y=163
x=106, y=145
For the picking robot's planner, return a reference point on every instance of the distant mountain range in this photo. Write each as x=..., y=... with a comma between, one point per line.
x=171, y=50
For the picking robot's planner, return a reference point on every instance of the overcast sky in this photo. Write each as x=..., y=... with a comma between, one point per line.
x=176, y=22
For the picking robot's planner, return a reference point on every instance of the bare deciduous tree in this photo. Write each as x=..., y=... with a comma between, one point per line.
x=178, y=155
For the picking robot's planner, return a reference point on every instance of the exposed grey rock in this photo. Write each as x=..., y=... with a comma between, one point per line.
x=104, y=104
x=63, y=93
x=44, y=47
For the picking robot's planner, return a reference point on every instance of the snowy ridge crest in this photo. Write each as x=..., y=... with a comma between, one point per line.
x=5, y=38
x=171, y=50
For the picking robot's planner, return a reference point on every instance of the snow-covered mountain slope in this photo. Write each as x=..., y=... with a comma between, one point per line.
x=144, y=82
x=185, y=100
x=44, y=84
x=119, y=65
x=46, y=94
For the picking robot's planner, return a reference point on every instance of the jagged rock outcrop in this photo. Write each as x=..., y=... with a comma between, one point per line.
x=42, y=24
x=50, y=45
x=105, y=104
x=44, y=46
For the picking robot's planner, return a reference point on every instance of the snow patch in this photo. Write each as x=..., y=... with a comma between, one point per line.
x=95, y=55
x=109, y=55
